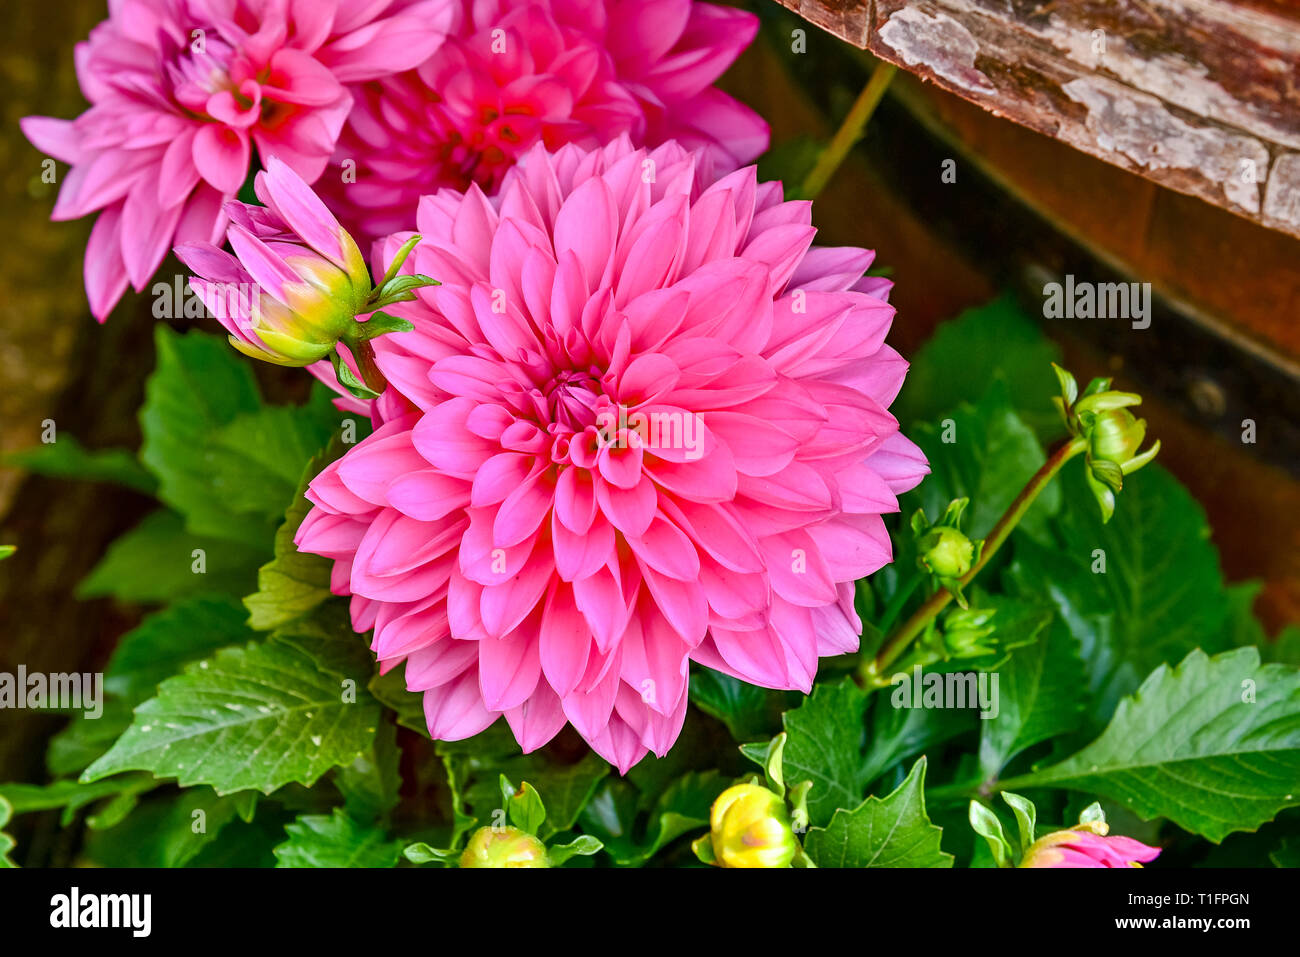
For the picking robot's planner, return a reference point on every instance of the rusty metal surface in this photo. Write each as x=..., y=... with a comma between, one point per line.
x=1202, y=96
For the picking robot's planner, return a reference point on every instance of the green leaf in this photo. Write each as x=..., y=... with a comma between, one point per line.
x=336, y=840
x=985, y=822
x=893, y=831
x=749, y=712
x=523, y=805
x=1161, y=593
x=989, y=456
x=896, y=734
x=167, y=640
x=68, y=458
x=683, y=807
x=200, y=384
x=260, y=716
x=1286, y=855
x=991, y=343
x=1026, y=817
x=70, y=795
x=370, y=785
x=164, y=832
x=421, y=853
x=475, y=765
x=293, y=583
x=225, y=461
x=156, y=649
x=1041, y=695
x=6, y=842
x=157, y=561
x=73, y=749
x=1212, y=744
x=256, y=461
x=585, y=845
x=791, y=161
x=824, y=745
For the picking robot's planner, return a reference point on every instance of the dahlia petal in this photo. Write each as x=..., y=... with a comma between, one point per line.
x=537, y=720
x=455, y=711
x=508, y=668
x=221, y=156
x=105, y=272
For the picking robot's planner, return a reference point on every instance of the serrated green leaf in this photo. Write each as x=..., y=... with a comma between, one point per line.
x=1041, y=695
x=156, y=562
x=824, y=745
x=255, y=462
x=1212, y=744
x=1161, y=593
x=336, y=840
x=260, y=716
x=6, y=842
x=893, y=831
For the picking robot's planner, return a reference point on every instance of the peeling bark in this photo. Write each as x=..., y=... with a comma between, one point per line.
x=1202, y=96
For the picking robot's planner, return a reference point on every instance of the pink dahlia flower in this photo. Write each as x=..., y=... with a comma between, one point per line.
x=180, y=92
x=1084, y=847
x=642, y=422
x=552, y=71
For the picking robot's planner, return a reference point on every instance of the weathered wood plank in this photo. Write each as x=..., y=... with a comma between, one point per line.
x=1202, y=96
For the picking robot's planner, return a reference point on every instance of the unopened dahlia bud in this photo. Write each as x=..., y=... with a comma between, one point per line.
x=1086, y=845
x=1110, y=435
x=965, y=631
x=504, y=847
x=943, y=550
x=946, y=552
x=1115, y=436
x=750, y=827
x=297, y=282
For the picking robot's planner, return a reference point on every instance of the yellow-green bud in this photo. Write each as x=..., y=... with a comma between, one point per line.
x=946, y=552
x=1116, y=435
x=750, y=827
x=504, y=847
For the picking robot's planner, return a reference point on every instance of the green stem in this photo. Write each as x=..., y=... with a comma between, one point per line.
x=850, y=131
x=872, y=672
x=364, y=353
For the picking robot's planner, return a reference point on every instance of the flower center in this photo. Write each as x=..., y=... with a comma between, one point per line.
x=574, y=397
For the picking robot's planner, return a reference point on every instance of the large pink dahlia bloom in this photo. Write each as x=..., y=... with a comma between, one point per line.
x=180, y=92
x=642, y=422
x=519, y=72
